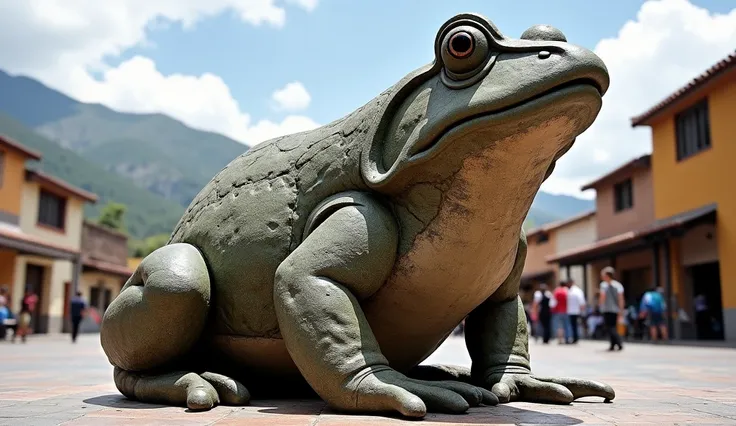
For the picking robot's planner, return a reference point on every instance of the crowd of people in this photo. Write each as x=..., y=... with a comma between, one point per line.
x=564, y=315
x=21, y=325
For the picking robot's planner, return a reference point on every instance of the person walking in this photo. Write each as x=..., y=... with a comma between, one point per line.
x=611, y=302
x=575, y=308
x=652, y=308
x=560, y=321
x=78, y=308
x=542, y=311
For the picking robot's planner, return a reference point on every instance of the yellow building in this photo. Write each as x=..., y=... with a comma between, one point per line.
x=40, y=235
x=693, y=156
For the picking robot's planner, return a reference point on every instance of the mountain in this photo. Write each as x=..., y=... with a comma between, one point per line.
x=153, y=151
x=147, y=214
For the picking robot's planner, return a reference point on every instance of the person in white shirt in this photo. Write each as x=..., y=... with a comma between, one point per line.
x=575, y=307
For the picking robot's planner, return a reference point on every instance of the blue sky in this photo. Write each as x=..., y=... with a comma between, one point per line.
x=346, y=52
x=256, y=69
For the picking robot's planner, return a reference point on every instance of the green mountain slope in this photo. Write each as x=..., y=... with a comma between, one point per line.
x=154, y=151
x=147, y=214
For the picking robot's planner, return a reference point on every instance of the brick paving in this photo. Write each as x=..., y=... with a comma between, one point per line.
x=49, y=381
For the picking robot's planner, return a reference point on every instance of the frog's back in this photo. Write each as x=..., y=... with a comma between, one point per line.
x=250, y=216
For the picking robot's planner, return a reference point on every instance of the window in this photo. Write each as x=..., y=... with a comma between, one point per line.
x=542, y=238
x=692, y=130
x=51, y=210
x=624, y=195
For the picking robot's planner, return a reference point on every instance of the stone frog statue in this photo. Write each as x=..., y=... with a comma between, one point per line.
x=335, y=261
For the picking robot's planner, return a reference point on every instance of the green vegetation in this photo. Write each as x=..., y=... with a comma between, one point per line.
x=112, y=216
x=147, y=213
x=142, y=248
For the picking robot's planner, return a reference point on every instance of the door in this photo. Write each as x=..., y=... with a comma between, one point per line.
x=34, y=283
x=706, y=279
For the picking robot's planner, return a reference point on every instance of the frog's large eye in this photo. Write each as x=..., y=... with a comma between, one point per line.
x=464, y=52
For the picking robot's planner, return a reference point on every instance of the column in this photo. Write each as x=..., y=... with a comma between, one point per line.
x=655, y=264
x=668, y=288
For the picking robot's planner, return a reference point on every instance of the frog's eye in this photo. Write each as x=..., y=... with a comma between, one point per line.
x=461, y=44
x=464, y=52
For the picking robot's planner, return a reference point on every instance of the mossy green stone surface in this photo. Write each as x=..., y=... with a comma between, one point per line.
x=337, y=260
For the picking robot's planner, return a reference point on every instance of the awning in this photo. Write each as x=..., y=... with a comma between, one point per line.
x=534, y=276
x=635, y=240
x=32, y=245
x=106, y=267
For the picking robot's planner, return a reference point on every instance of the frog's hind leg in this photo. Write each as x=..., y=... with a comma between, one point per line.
x=150, y=330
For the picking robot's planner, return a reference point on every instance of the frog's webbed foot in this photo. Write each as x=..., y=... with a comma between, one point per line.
x=195, y=391
x=440, y=372
x=154, y=324
x=529, y=388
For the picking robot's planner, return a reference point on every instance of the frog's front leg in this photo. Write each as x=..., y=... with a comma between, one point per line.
x=498, y=342
x=319, y=286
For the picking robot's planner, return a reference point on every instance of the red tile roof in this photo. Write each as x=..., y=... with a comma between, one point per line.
x=627, y=238
x=108, y=267
x=643, y=161
x=60, y=185
x=17, y=146
x=716, y=70
x=560, y=223
x=18, y=235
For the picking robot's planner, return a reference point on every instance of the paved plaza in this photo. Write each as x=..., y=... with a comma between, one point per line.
x=49, y=381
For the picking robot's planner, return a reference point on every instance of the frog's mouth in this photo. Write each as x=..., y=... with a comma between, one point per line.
x=588, y=90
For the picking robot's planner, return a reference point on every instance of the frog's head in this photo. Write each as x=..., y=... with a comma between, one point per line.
x=518, y=105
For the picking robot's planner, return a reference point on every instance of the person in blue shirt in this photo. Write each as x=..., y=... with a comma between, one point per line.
x=77, y=312
x=653, y=307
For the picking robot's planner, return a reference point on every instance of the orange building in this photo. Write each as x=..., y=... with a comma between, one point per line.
x=669, y=218
x=693, y=156
x=40, y=235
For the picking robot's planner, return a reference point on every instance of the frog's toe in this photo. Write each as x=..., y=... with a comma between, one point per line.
x=201, y=397
x=230, y=391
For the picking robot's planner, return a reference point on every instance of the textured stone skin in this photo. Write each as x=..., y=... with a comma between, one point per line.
x=340, y=258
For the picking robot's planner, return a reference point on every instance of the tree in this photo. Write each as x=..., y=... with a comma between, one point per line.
x=112, y=216
x=143, y=248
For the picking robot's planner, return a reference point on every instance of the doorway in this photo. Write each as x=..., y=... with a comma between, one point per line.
x=706, y=279
x=35, y=275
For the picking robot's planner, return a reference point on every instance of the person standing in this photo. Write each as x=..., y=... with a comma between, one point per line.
x=78, y=307
x=560, y=320
x=702, y=316
x=653, y=307
x=541, y=311
x=575, y=308
x=28, y=307
x=611, y=301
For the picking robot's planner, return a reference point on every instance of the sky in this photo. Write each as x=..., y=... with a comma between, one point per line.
x=257, y=69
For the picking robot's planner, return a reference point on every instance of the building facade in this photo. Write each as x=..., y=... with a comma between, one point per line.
x=104, y=269
x=40, y=236
x=693, y=155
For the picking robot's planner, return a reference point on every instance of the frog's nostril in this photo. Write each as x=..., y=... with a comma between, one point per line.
x=543, y=33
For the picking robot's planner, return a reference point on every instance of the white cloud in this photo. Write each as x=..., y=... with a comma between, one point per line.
x=292, y=97
x=669, y=43
x=203, y=102
x=309, y=5
x=62, y=42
